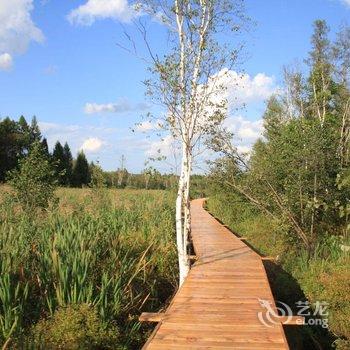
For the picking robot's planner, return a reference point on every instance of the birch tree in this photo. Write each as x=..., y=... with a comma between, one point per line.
x=189, y=82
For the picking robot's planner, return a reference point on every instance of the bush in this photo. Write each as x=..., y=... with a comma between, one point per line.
x=34, y=182
x=74, y=327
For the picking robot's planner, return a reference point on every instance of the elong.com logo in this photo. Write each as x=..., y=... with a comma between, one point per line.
x=315, y=314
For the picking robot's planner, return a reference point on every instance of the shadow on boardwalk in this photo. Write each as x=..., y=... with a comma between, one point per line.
x=285, y=288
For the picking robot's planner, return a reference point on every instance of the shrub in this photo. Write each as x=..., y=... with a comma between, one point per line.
x=74, y=327
x=34, y=182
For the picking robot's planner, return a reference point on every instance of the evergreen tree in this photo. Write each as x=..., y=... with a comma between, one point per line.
x=35, y=134
x=10, y=147
x=25, y=131
x=68, y=164
x=45, y=148
x=59, y=162
x=16, y=139
x=24, y=127
x=81, y=171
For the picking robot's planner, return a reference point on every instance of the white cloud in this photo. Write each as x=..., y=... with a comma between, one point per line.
x=122, y=106
x=92, y=144
x=6, y=61
x=244, y=128
x=238, y=90
x=243, y=88
x=346, y=2
x=92, y=108
x=17, y=29
x=244, y=149
x=245, y=132
x=93, y=10
x=248, y=132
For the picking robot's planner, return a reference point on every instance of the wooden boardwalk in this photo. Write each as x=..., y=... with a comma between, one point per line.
x=217, y=306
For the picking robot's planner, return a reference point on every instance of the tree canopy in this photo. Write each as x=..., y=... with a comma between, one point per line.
x=298, y=172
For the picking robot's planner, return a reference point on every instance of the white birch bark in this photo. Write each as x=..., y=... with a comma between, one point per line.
x=185, y=85
x=181, y=225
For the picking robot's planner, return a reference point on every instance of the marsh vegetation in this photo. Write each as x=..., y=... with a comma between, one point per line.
x=77, y=275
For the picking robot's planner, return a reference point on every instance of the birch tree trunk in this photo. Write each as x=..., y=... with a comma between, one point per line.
x=183, y=217
x=189, y=85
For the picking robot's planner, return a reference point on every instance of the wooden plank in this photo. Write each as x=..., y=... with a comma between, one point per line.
x=151, y=316
x=268, y=258
x=256, y=328
x=224, y=338
x=190, y=344
x=218, y=304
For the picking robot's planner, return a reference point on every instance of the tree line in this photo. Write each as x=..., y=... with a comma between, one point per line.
x=17, y=139
x=299, y=172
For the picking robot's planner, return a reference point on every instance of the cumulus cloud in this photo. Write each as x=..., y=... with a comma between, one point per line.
x=93, y=10
x=17, y=28
x=238, y=90
x=92, y=144
x=6, y=61
x=245, y=132
x=243, y=88
x=243, y=149
x=245, y=128
x=122, y=106
x=251, y=89
x=248, y=132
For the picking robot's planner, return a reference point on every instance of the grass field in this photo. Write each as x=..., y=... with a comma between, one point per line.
x=79, y=275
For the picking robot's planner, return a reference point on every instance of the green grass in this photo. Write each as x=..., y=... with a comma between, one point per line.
x=325, y=276
x=110, y=252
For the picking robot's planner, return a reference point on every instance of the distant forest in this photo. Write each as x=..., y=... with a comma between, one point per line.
x=17, y=138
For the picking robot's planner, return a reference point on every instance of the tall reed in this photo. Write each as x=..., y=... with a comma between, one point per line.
x=115, y=254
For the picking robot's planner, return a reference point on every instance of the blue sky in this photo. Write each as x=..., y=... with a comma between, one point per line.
x=61, y=62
